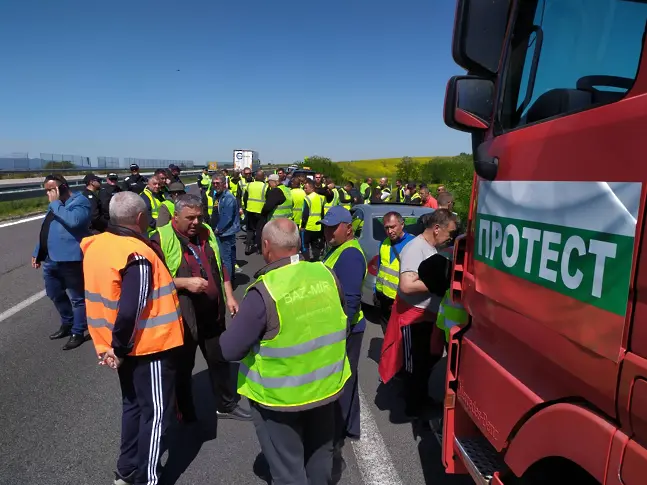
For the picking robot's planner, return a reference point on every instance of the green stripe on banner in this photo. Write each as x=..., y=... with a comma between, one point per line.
x=592, y=267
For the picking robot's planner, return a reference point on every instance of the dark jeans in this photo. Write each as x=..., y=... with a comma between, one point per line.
x=64, y=286
x=220, y=375
x=147, y=384
x=386, y=304
x=252, y=221
x=348, y=403
x=298, y=446
x=314, y=244
x=227, y=245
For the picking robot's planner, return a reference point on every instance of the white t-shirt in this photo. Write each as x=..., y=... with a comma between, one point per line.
x=412, y=255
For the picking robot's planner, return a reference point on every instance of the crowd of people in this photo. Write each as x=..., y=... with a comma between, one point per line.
x=148, y=268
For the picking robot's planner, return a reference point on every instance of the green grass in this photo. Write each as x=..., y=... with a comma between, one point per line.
x=376, y=168
x=23, y=207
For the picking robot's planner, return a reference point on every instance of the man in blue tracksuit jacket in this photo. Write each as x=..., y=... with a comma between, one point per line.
x=225, y=223
x=58, y=249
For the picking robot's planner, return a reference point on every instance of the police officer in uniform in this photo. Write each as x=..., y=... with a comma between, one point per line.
x=292, y=353
x=134, y=321
x=110, y=188
x=98, y=222
x=135, y=182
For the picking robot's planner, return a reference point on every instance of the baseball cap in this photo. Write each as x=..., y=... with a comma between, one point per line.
x=336, y=215
x=113, y=176
x=176, y=187
x=274, y=177
x=134, y=166
x=91, y=178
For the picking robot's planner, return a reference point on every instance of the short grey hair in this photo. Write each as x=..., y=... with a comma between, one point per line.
x=220, y=178
x=188, y=200
x=125, y=207
x=282, y=233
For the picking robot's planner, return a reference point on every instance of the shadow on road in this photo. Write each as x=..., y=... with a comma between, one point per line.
x=186, y=440
x=389, y=398
x=375, y=349
x=262, y=469
x=432, y=467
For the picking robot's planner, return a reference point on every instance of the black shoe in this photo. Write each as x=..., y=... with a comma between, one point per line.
x=237, y=413
x=62, y=332
x=124, y=480
x=75, y=341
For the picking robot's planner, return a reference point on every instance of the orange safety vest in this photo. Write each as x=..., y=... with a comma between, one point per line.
x=160, y=325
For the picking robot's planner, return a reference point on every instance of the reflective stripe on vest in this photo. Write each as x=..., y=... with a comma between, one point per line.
x=450, y=315
x=172, y=250
x=256, y=196
x=345, y=205
x=388, y=274
x=155, y=202
x=334, y=202
x=212, y=203
x=159, y=326
x=285, y=209
x=331, y=258
x=416, y=196
x=306, y=361
x=315, y=211
x=170, y=206
x=298, y=196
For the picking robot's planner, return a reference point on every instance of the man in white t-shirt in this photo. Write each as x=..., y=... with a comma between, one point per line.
x=412, y=323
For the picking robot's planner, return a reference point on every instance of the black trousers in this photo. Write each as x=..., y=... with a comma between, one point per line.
x=314, y=245
x=220, y=375
x=298, y=446
x=147, y=385
x=252, y=222
x=418, y=363
x=386, y=304
x=347, y=415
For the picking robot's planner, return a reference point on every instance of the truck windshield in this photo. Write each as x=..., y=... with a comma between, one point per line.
x=569, y=55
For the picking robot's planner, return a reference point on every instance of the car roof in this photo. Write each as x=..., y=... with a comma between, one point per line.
x=377, y=210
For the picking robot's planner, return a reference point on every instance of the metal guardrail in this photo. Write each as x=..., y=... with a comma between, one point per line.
x=31, y=190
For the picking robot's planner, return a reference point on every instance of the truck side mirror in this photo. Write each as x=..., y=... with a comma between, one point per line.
x=479, y=33
x=469, y=102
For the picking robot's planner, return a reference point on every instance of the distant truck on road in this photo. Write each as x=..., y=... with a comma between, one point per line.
x=246, y=159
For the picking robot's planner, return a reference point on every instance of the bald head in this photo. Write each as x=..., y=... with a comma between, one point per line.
x=445, y=200
x=260, y=176
x=281, y=239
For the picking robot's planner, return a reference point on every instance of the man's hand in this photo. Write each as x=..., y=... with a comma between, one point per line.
x=34, y=264
x=53, y=194
x=232, y=304
x=196, y=284
x=110, y=359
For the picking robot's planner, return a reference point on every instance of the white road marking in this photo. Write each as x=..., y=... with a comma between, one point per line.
x=20, y=221
x=371, y=453
x=21, y=306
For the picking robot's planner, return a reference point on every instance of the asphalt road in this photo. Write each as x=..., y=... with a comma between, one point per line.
x=60, y=412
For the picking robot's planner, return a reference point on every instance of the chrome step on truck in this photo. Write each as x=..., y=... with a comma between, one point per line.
x=479, y=456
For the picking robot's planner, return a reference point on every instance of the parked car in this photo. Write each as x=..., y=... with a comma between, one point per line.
x=369, y=231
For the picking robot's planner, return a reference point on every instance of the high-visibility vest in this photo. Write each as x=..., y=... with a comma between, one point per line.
x=331, y=258
x=212, y=202
x=345, y=205
x=357, y=225
x=388, y=191
x=298, y=196
x=170, y=205
x=306, y=361
x=256, y=196
x=388, y=274
x=315, y=211
x=205, y=181
x=416, y=196
x=333, y=203
x=397, y=192
x=233, y=187
x=155, y=202
x=172, y=250
x=285, y=209
x=243, y=185
x=159, y=326
x=362, y=189
x=450, y=315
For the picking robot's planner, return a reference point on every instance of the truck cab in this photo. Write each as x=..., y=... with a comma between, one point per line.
x=547, y=383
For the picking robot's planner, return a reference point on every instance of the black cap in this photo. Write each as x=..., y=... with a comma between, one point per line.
x=113, y=176
x=134, y=166
x=91, y=178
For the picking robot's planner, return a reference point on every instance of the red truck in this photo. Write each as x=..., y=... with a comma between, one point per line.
x=547, y=383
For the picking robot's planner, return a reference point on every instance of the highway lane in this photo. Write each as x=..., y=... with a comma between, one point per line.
x=61, y=413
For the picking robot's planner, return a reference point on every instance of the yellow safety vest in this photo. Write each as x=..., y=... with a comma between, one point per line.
x=450, y=315
x=256, y=196
x=388, y=274
x=345, y=205
x=285, y=209
x=315, y=211
x=212, y=202
x=233, y=187
x=298, y=196
x=415, y=197
x=333, y=203
x=205, y=182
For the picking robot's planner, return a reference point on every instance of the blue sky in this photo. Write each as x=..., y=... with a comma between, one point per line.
x=347, y=79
